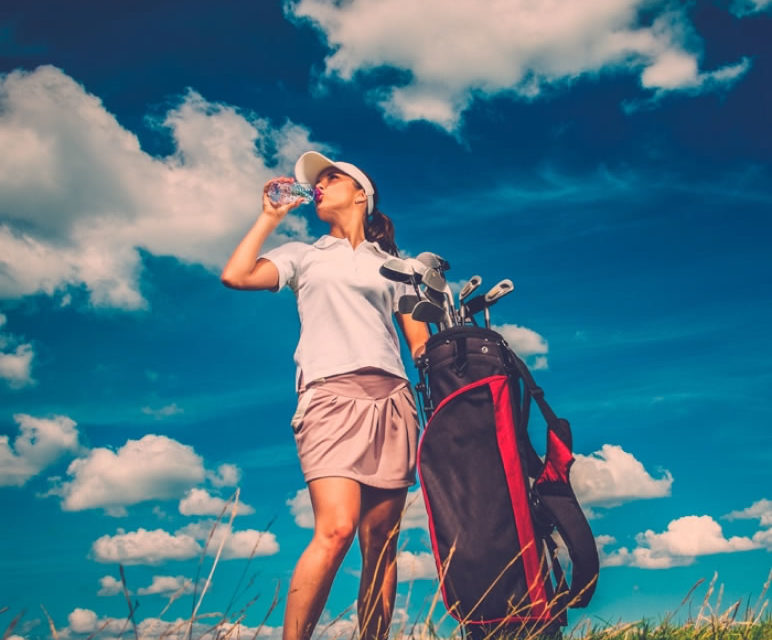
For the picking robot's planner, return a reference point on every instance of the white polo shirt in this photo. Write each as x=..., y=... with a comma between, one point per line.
x=345, y=306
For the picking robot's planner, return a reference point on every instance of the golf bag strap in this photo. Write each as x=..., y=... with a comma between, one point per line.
x=556, y=427
x=534, y=390
x=556, y=503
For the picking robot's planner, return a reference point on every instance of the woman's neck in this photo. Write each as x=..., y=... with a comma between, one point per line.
x=353, y=231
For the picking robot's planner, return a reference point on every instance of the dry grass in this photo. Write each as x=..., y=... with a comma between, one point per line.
x=713, y=621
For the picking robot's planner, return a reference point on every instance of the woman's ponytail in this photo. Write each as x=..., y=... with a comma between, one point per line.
x=379, y=227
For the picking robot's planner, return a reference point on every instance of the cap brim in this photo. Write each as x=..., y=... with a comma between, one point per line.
x=310, y=165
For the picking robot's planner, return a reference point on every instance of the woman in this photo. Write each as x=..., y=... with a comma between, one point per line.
x=356, y=424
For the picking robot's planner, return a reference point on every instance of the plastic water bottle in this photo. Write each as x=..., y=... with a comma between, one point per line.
x=286, y=192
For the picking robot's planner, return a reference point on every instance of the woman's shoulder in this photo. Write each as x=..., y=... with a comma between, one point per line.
x=291, y=247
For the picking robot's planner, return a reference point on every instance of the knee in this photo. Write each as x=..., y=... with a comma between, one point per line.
x=336, y=538
x=379, y=537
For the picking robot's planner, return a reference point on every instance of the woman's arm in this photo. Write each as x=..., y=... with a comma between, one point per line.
x=416, y=334
x=243, y=270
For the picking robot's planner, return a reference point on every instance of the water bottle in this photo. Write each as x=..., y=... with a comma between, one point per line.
x=286, y=192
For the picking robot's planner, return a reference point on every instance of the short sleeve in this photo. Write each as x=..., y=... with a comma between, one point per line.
x=286, y=258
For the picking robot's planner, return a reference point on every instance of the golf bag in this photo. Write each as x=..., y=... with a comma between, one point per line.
x=493, y=503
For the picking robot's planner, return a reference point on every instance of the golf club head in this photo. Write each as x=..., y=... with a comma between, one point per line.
x=427, y=311
x=417, y=266
x=437, y=297
x=487, y=300
x=397, y=270
x=443, y=300
x=433, y=261
x=407, y=303
x=433, y=279
x=469, y=287
x=499, y=290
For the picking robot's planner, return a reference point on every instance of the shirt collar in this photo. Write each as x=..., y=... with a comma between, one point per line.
x=327, y=241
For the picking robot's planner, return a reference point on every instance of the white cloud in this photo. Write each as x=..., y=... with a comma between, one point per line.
x=607, y=559
x=157, y=629
x=415, y=566
x=238, y=544
x=40, y=443
x=761, y=509
x=301, y=509
x=685, y=539
x=742, y=8
x=526, y=343
x=79, y=196
x=167, y=585
x=109, y=586
x=144, y=547
x=154, y=547
x=162, y=412
x=673, y=70
x=152, y=468
x=198, y=502
x=454, y=52
x=15, y=360
x=415, y=516
x=82, y=620
x=227, y=475
x=16, y=365
x=612, y=476
x=763, y=538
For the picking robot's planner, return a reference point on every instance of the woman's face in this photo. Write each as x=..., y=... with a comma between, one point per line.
x=338, y=192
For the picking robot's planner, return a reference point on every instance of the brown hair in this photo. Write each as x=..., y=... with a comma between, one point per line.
x=378, y=226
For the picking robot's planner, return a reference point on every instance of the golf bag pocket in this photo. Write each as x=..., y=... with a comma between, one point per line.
x=493, y=567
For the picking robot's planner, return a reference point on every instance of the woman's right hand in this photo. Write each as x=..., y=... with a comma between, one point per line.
x=274, y=211
x=244, y=269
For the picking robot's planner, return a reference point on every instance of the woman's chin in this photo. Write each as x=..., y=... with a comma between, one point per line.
x=323, y=213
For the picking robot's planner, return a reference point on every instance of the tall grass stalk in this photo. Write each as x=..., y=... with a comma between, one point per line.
x=714, y=619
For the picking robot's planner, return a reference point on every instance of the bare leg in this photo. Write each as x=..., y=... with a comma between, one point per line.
x=336, y=503
x=378, y=532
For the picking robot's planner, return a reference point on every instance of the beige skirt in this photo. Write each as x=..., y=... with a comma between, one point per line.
x=360, y=425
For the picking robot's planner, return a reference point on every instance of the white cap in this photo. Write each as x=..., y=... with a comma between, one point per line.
x=312, y=163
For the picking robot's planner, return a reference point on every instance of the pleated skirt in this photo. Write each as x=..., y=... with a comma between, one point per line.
x=360, y=425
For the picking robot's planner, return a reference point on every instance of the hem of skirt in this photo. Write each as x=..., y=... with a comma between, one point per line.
x=367, y=480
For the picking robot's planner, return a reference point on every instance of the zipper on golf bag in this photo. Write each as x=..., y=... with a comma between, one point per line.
x=493, y=503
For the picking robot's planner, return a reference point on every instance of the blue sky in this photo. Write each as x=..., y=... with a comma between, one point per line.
x=613, y=160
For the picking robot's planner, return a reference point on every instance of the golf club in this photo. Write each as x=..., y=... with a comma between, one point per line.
x=484, y=302
x=427, y=311
x=408, y=271
x=466, y=291
x=433, y=280
x=407, y=303
x=432, y=260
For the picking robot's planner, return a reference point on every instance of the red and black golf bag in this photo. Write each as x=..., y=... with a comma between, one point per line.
x=493, y=503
